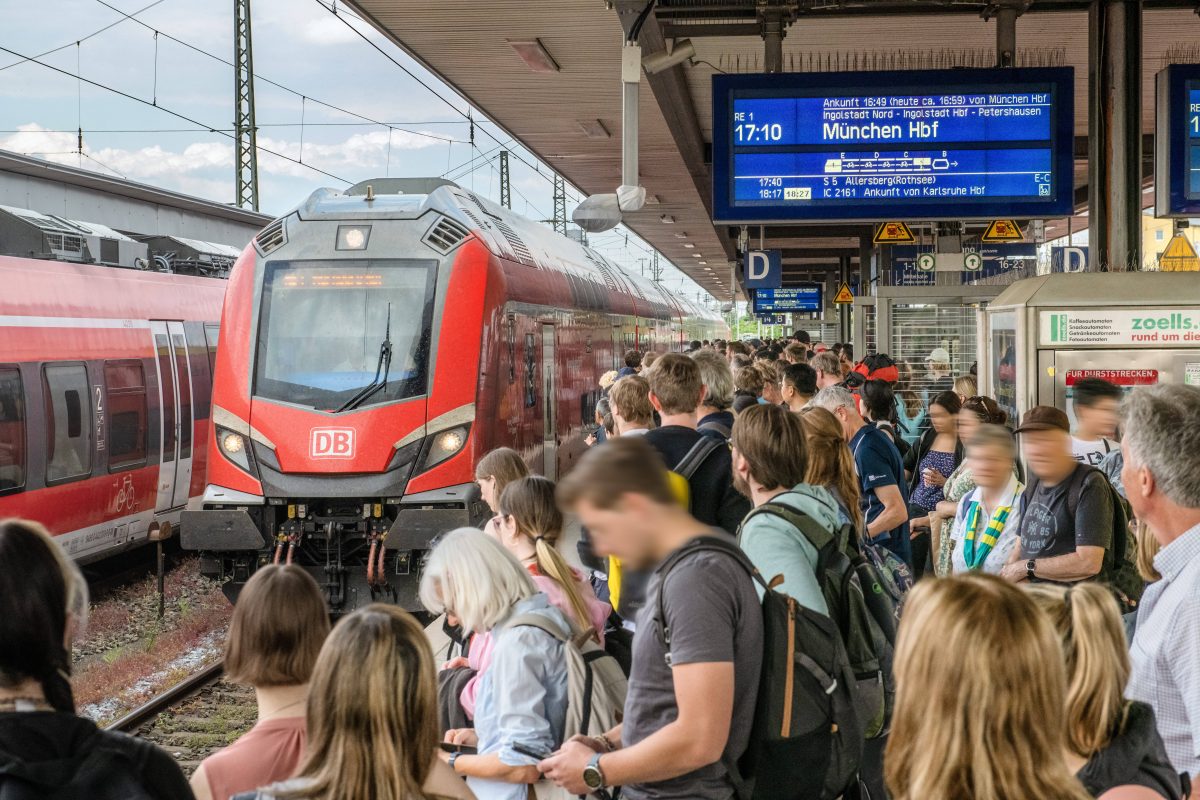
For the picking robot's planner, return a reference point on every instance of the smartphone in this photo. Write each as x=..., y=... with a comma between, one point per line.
x=529, y=751
x=458, y=748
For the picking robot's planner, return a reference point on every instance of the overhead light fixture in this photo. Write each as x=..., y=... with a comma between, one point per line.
x=534, y=54
x=662, y=60
x=688, y=245
x=667, y=219
x=593, y=128
x=653, y=200
x=681, y=236
x=697, y=255
x=702, y=263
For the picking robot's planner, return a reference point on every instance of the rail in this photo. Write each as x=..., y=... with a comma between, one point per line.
x=156, y=705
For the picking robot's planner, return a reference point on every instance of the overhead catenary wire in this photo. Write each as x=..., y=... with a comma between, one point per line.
x=260, y=77
x=113, y=24
x=200, y=125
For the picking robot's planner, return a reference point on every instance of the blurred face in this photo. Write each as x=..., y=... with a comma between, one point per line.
x=1101, y=417
x=772, y=394
x=991, y=466
x=843, y=416
x=847, y=365
x=1046, y=451
x=487, y=490
x=620, y=531
x=968, y=423
x=941, y=419
x=826, y=379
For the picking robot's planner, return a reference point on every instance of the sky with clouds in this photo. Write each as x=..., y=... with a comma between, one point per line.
x=304, y=58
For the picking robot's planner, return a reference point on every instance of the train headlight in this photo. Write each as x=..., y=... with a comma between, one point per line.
x=234, y=447
x=353, y=237
x=445, y=444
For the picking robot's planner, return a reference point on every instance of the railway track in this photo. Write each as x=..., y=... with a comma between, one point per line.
x=194, y=718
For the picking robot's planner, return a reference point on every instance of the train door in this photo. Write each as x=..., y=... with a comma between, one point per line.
x=175, y=414
x=549, y=406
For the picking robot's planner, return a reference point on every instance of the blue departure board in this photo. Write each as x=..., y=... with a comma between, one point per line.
x=866, y=146
x=1177, y=142
x=805, y=297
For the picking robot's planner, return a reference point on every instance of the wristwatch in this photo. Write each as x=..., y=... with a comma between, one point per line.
x=454, y=757
x=593, y=776
x=1029, y=565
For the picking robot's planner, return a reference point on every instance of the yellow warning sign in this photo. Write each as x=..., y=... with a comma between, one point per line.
x=844, y=295
x=893, y=233
x=1003, y=230
x=1179, y=256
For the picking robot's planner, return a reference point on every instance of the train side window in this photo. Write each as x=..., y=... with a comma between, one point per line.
x=12, y=430
x=68, y=422
x=531, y=378
x=125, y=384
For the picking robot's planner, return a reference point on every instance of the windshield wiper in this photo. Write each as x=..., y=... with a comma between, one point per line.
x=383, y=366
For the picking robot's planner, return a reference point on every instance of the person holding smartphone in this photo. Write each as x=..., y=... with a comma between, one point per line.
x=521, y=707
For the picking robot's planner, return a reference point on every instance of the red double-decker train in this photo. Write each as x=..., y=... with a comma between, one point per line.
x=374, y=344
x=105, y=377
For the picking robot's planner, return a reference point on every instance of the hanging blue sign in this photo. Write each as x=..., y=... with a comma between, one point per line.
x=764, y=269
x=1177, y=141
x=1068, y=259
x=806, y=297
x=997, y=259
x=914, y=145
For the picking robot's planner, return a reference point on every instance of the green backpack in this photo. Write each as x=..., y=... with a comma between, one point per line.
x=866, y=623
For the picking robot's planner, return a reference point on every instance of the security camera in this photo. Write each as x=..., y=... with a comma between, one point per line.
x=662, y=61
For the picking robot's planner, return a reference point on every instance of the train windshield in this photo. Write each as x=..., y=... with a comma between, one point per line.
x=324, y=324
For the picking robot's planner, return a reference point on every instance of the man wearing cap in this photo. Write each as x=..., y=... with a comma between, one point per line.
x=1063, y=539
x=941, y=379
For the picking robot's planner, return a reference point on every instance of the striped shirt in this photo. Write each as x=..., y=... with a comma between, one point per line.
x=1166, y=651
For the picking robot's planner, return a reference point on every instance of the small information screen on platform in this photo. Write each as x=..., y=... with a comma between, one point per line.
x=806, y=297
x=1177, y=142
x=865, y=146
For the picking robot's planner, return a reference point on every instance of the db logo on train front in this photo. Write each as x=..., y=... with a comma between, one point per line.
x=332, y=443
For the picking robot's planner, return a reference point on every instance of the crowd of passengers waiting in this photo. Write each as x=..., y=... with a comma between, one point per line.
x=1048, y=641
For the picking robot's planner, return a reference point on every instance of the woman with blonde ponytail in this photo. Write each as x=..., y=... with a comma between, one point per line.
x=1112, y=743
x=530, y=526
x=45, y=749
x=978, y=685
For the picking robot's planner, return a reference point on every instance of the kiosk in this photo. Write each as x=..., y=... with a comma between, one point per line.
x=1043, y=334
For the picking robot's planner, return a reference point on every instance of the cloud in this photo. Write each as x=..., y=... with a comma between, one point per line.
x=162, y=166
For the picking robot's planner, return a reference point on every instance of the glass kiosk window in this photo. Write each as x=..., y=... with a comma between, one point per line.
x=1003, y=333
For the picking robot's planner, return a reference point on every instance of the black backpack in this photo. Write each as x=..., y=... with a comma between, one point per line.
x=1123, y=578
x=858, y=603
x=104, y=771
x=806, y=741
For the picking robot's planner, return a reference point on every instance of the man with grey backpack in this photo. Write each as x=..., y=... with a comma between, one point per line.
x=794, y=536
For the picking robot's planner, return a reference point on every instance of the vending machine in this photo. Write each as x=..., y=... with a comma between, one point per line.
x=1046, y=333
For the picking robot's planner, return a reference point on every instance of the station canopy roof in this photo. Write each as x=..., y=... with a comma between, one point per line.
x=571, y=116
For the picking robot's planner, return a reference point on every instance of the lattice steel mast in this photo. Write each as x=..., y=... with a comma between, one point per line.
x=245, y=161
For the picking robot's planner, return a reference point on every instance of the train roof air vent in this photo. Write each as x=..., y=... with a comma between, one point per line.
x=271, y=237
x=445, y=235
x=522, y=252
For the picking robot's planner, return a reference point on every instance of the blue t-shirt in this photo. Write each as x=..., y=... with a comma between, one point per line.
x=878, y=463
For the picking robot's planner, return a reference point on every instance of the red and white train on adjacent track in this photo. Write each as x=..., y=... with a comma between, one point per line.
x=374, y=344
x=105, y=378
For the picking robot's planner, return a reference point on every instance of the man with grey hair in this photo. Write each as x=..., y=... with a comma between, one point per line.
x=884, y=498
x=1162, y=482
x=715, y=418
